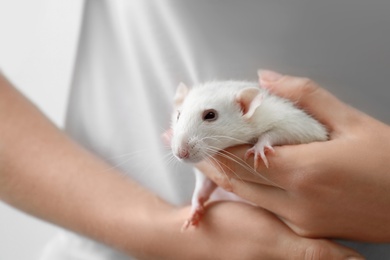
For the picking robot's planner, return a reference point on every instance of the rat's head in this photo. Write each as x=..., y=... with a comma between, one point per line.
x=211, y=117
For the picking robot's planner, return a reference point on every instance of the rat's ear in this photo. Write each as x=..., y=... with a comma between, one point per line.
x=249, y=100
x=181, y=93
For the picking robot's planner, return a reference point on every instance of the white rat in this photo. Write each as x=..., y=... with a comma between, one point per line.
x=216, y=115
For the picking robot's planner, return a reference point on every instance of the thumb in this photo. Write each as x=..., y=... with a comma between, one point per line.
x=326, y=249
x=307, y=95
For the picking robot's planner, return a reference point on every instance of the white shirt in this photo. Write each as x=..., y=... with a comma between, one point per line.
x=132, y=55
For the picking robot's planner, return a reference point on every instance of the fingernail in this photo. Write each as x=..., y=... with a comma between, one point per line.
x=354, y=258
x=268, y=75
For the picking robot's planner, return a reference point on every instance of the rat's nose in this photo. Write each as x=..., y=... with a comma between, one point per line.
x=183, y=153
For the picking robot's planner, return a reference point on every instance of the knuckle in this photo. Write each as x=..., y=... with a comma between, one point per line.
x=307, y=86
x=303, y=231
x=314, y=252
x=305, y=224
x=320, y=249
x=224, y=182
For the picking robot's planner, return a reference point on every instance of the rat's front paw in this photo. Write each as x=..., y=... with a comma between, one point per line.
x=259, y=150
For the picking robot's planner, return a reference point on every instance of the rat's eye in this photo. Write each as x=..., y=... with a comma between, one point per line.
x=210, y=115
x=178, y=115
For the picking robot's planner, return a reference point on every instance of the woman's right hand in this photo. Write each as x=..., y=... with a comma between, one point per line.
x=234, y=230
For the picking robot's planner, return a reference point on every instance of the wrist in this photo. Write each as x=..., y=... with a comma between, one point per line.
x=144, y=233
x=164, y=236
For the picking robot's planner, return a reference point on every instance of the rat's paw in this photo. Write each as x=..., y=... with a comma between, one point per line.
x=194, y=219
x=259, y=150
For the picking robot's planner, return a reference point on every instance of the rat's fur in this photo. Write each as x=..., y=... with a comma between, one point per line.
x=275, y=116
x=245, y=114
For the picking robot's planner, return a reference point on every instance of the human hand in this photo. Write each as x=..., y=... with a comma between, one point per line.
x=338, y=188
x=233, y=230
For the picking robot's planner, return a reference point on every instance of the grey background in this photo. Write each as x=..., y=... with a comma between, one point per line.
x=344, y=45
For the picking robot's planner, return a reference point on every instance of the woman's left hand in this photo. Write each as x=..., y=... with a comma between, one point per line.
x=335, y=189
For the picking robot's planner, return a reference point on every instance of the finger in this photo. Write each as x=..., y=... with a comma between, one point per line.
x=275, y=174
x=289, y=165
x=231, y=163
x=222, y=174
x=309, y=96
x=324, y=249
x=268, y=197
x=239, y=166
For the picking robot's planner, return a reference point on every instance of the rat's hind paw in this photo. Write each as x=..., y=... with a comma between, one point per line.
x=194, y=219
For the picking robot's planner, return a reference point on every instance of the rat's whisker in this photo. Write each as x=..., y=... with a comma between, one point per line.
x=209, y=137
x=116, y=165
x=242, y=163
x=171, y=160
x=220, y=163
x=114, y=157
x=233, y=158
x=167, y=159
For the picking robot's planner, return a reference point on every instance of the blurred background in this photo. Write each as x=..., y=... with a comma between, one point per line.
x=37, y=48
x=344, y=46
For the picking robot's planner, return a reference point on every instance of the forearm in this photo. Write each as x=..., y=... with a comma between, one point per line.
x=46, y=174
